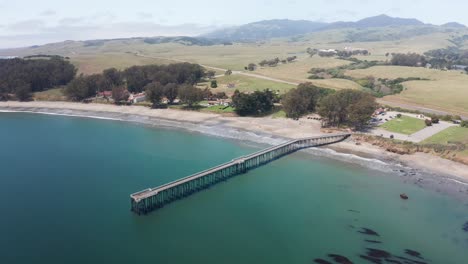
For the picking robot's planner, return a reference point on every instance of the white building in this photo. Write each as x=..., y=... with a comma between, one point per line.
x=137, y=98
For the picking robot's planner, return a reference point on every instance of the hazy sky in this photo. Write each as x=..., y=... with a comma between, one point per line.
x=29, y=22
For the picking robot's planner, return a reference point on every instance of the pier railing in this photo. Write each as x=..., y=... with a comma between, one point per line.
x=151, y=199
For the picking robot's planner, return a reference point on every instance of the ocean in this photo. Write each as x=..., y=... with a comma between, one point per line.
x=65, y=184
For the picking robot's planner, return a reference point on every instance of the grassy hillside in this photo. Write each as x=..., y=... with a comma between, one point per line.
x=445, y=90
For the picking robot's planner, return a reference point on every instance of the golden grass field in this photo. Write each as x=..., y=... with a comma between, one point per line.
x=246, y=84
x=297, y=71
x=89, y=64
x=445, y=91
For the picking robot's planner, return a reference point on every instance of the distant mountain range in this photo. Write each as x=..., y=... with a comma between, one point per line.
x=277, y=28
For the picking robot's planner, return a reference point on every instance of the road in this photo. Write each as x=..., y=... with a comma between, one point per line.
x=253, y=75
x=417, y=137
x=417, y=108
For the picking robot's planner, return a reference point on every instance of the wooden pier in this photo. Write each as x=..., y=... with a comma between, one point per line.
x=153, y=198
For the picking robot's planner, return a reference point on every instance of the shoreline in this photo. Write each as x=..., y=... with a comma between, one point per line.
x=258, y=130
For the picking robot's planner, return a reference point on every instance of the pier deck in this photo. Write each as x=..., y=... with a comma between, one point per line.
x=151, y=199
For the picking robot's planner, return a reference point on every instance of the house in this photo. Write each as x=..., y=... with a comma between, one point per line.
x=379, y=111
x=137, y=98
x=459, y=67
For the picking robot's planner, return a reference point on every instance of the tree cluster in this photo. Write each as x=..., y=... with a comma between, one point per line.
x=253, y=104
x=135, y=80
x=347, y=107
x=22, y=77
x=303, y=99
x=85, y=86
x=409, y=59
x=137, y=77
x=274, y=62
x=447, y=58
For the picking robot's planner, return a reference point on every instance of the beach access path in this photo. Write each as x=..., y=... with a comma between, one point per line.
x=417, y=137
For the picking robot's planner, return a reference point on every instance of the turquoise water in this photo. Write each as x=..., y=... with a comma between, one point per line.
x=65, y=185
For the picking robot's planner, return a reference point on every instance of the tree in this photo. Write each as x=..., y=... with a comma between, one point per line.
x=256, y=103
x=228, y=72
x=291, y=59
x=214, y=84
x=23, y=92
x=120, y=94
x=155, y=93
x=190, y=95
x=303, y=99
x=80, y=88
x=410, y=59
x=351, y=107
x=221, y=95
x=39, y=72
x=136, y=79
x=113, y=76
x=171, y=90
x=361, y=112
x=251, y=67
x=210, y=74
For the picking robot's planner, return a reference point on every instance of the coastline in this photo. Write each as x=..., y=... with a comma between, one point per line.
x=260, y=130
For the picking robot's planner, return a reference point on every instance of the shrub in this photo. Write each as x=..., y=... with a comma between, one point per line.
x=214, y=84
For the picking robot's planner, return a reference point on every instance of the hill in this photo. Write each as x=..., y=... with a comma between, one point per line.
x=278, y=28
x=267, y=29
x=453, y=25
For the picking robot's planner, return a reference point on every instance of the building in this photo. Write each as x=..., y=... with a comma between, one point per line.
x=379, y=111
x=8, y=57
x=137, y=98
x=459, y=67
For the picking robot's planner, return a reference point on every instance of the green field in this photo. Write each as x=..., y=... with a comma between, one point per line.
x=404, y=125
x=220, y=109
x=451, y=135
x=50, y=95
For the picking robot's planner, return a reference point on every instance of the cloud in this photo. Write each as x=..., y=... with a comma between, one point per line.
x=144, y=15
x=71, y=21
x=48, y=12
x=83, y=29
x=26, y=26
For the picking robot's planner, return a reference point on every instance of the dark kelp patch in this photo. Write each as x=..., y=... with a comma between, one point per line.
x=340, y=259
x=465, y=227
x=373, y=241
x=368, y=231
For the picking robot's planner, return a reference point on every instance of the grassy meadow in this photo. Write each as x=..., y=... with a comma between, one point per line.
x=404, y=125
x=451, y=135
x=246, y=84
x=445, y=90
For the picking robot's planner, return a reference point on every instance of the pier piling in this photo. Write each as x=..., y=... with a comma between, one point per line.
x=151, y=199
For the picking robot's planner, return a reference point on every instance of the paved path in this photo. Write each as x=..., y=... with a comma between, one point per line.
x=253, y=75
x=417, y=137
x=417, y=108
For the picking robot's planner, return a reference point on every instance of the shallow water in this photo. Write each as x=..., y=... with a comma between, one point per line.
x=65, y=185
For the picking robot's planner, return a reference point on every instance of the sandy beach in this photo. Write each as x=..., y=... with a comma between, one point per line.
x=280, y=128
